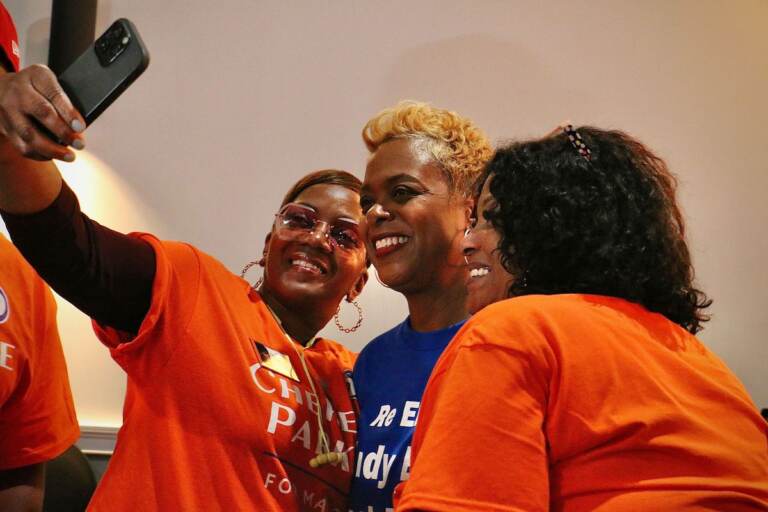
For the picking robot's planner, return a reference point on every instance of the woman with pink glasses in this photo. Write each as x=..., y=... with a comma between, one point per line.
x=232, y=403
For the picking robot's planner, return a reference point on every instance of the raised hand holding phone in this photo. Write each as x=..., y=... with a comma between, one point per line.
x=33, y=98
x=42, y=115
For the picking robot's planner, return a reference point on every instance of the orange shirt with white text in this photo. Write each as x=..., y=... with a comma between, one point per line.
x=37, y=416
x=207, y=425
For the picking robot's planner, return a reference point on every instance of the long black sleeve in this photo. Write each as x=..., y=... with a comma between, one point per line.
x=105, y=274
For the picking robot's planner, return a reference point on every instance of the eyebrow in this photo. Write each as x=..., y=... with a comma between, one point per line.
x=305, y=205
x=397, y=178
x=342, y=217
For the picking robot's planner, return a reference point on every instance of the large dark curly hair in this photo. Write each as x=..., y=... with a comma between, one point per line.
x=609, y=225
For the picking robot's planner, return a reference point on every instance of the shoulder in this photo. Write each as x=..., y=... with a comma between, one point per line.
x=335, y=350
x=183, y=258
x=19, y=281
x=175, y=253
x=383, y=341
x=530, y=319
x=527, y=307
x=551, y=308
x=375, y=348
x=11, y=258
x=550, y=318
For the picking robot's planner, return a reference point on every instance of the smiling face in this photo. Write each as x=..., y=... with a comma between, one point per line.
x=487, y=281
x=315, y=268
x=414, y=223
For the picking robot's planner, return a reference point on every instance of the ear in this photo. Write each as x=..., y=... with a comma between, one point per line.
x=264, y=251
x=357, y=288
x=468, y=206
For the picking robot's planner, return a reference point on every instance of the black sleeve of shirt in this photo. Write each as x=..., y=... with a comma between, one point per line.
x=107, y=275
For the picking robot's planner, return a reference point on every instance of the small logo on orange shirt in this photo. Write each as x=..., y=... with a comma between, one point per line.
x=275, y=361
x=5, y=307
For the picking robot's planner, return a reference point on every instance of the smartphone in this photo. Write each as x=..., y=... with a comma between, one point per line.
x=105, y=70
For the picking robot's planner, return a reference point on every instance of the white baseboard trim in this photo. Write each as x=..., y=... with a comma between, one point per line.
x=95, y=440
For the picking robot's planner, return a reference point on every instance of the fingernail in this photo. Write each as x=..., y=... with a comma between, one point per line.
x=78, y=144
x=69, y=157
x=77, y=125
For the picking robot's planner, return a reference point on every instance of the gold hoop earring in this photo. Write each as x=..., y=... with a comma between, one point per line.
x=348, y=330
x=255, y=286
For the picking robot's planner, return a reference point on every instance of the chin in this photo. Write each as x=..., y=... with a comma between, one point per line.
x=393, y=277
x=475, y=304
x=302, y=290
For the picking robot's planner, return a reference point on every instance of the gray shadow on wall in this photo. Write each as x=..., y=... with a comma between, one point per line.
x=104, y=17
x=492, y=81
x=36, y=41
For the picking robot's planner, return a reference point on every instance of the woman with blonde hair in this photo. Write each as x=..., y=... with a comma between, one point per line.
x=417, y=200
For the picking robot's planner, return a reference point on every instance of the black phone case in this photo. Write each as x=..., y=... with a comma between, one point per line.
x=92, y=86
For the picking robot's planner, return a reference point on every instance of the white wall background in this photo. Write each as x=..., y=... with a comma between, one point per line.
x=242, y=97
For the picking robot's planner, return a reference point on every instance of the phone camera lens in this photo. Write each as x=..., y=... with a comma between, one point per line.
x=110, y=45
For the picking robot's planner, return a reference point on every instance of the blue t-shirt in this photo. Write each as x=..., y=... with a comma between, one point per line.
x=389, y=377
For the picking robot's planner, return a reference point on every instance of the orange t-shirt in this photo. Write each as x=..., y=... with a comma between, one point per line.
x=207, y=425
x=579, y=402
x=37, y=417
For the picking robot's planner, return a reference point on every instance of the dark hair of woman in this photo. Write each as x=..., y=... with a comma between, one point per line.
x=323, y=177
x=607, y=225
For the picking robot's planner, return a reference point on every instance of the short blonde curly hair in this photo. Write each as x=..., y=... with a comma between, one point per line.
x=457, y=145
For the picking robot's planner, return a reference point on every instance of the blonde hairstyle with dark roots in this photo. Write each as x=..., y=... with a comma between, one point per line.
x=456, y=144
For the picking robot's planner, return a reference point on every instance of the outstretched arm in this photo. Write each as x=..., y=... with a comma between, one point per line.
x=105, y=274
x=29, y=181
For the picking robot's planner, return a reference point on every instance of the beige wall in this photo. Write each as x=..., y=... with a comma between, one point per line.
x=244, y=96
